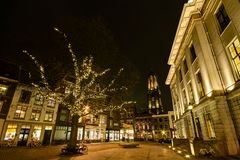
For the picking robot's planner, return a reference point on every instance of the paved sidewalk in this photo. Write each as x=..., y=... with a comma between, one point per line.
x=103, y=151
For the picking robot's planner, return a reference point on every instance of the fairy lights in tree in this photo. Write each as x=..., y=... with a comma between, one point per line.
x=81, y=92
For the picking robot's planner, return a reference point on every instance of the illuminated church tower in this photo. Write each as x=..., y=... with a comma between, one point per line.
x=154, y=96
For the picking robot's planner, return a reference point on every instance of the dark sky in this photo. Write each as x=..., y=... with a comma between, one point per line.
x=143, y=29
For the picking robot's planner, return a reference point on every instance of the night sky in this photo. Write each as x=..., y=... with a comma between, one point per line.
x=143, y=29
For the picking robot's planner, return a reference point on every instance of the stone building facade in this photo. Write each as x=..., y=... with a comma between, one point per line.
x=205, y=73
x=30, y=117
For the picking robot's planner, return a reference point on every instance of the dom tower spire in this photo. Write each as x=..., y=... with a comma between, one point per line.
x=154, y=96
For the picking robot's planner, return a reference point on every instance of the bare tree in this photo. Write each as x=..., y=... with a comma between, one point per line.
x=81, y=94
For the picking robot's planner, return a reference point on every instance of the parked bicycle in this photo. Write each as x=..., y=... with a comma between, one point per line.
x=208, y=153
x=7, y=143
x=79, y=148
x=83, y=148
x=34, y=143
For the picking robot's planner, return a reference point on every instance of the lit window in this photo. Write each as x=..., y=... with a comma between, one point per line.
x=36, y=132
x=25, y=97
x=222, y=18
x=3, y=89
x=51, y=101
x=20, y=112
x=36, y=112
x=234, y=49
x=49, y=116
x=38, y=99
x=11, y=132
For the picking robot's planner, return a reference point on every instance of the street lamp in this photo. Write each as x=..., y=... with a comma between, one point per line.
x=190, y=107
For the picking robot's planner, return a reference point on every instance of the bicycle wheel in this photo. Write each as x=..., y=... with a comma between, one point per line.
x=84, y=149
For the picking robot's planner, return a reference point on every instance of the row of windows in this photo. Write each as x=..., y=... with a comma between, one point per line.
x=39, y=99
x=35, y=115
x=198, y=78
x=234, y=49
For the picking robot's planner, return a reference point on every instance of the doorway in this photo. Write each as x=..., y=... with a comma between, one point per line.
x=23, y=136
x=47, y=137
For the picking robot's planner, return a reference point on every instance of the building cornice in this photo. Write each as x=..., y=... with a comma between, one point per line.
x=188, y=10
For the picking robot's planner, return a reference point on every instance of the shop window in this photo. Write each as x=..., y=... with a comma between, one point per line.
x=49, y=116
x=25, y=96
x=36, y=133
x=38, y=99
x=3, y=89
x=222, y=18
x=11, y=132
x=36, y=112
x=20, y=112
x=234, y=49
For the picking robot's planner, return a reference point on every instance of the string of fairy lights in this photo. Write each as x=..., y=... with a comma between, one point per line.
x=82, y=91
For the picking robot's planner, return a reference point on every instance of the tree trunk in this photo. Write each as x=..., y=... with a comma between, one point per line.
x=74, y=131
x=84, y=127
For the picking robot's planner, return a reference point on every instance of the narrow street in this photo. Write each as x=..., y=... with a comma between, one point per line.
x=104, y=151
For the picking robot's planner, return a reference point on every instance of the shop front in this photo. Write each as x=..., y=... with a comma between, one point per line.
x=22, y=134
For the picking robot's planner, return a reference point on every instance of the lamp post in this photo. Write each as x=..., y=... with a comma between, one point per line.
x=190, y=107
